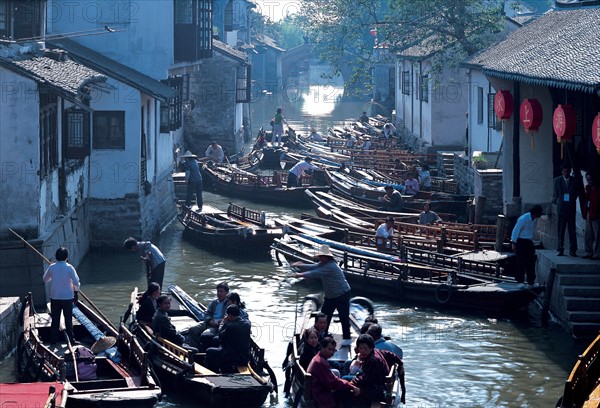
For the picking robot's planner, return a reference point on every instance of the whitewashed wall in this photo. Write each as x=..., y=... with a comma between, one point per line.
x=143, y=37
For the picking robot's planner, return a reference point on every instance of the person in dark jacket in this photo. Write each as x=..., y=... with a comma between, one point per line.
x=161, y=322
x=371, y=377
x=147, y=303
x=309, y=347
x=234, y=337
x=566, y=192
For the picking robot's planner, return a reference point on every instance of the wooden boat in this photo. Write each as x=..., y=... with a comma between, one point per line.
x=230, y=181
x=123, y=377
x=180, y=370
x=234, y=230
x=582, y=388
x=410, y=281
x=298, y=381
x=40, y=394
x=364, y=192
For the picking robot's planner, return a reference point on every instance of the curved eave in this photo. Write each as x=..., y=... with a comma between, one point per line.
x=551, y=83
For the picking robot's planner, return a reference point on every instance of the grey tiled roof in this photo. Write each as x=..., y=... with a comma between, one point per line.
x=67, y=77
x=230, y=51
x=115, y=69
x=262, y=39
x=425, y=48
x=559, y=49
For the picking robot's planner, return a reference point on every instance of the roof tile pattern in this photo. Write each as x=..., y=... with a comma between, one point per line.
x=561, y=48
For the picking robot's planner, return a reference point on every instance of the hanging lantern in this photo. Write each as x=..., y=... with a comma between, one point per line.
x=596, y=132
x=564, y=123
x=531, y=114
x=504, y=104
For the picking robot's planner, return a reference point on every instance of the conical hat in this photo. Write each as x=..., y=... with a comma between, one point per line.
x=103, y=344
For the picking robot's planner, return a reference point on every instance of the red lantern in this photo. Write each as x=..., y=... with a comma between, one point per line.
x=531, y=114
x=564, y=123
x=504, y=104
x=596, y=132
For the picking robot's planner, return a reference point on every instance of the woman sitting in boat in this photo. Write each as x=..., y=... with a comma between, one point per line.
x=234, y=299
x=371, y=377
x=309, y=347
x=147, y=304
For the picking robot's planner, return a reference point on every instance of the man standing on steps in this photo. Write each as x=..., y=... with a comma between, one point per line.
x=566, y=192
x=522, y=244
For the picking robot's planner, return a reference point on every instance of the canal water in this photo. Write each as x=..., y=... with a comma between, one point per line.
x=452, y=358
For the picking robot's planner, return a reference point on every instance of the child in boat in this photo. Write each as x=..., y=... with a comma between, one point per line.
x=309, y=346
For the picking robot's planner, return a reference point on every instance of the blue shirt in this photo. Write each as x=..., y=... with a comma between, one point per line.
x=383, y=344
x=524, y=228
x=332, y=277
x=150, y=252
x=192, y=171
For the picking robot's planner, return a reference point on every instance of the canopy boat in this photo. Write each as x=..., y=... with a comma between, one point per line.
x=582, y=388
x=228, y=180
x=122, y=375
x=237, y=229
x=181, y=369
x=40, y=394
x=298, y=380
x=411, y=281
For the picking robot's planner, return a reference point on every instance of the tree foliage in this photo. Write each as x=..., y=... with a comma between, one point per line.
x=340, y=29
x=287, y=32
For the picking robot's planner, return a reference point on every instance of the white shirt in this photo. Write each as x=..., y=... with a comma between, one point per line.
x=388, y=130
x=216, y=154
x=301, y=167
x=524, y=228
x=63, y=280
x=384, y=232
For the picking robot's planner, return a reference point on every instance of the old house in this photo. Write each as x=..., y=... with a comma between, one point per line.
x=266, y=64
x=430, y=103
x=548, y=72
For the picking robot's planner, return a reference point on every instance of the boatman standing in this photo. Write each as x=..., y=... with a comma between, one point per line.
x=522, y=244
x=335, y=286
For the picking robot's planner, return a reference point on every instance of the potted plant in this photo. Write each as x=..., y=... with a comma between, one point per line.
x=480, y=162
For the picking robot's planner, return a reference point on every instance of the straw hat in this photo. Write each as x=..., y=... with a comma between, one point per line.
x=189, y=155
x=103, y=344
x=324, y=251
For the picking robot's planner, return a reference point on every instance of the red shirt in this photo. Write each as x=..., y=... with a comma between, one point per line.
x=592, y=196
x=324, y=382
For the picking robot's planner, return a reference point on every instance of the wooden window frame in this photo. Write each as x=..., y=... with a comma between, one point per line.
x=112, y=142
x=76, y=133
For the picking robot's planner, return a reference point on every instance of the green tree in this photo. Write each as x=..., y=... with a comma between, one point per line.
x=340, y=33
x=340, y=30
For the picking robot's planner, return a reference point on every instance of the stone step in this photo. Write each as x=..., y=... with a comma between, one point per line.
x=585, y=329
x=584, y=317
x=575, y=303
x=582, y=291
x=578, y=280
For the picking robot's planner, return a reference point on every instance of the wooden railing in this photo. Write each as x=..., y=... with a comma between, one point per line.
x=583, y=378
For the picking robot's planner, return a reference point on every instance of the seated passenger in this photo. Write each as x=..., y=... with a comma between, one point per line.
x=201, y=335
x=389, y=130
x=428, y=217
x=411, y=184
x=161, y=322
x=315, y=136
x=234, y=337
x=147, y=304
x=324, y=381
x=371, y=378
x=392, y=200
x=425, y=178
x=309, y=346
x=381, y=343
x=385, y=233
